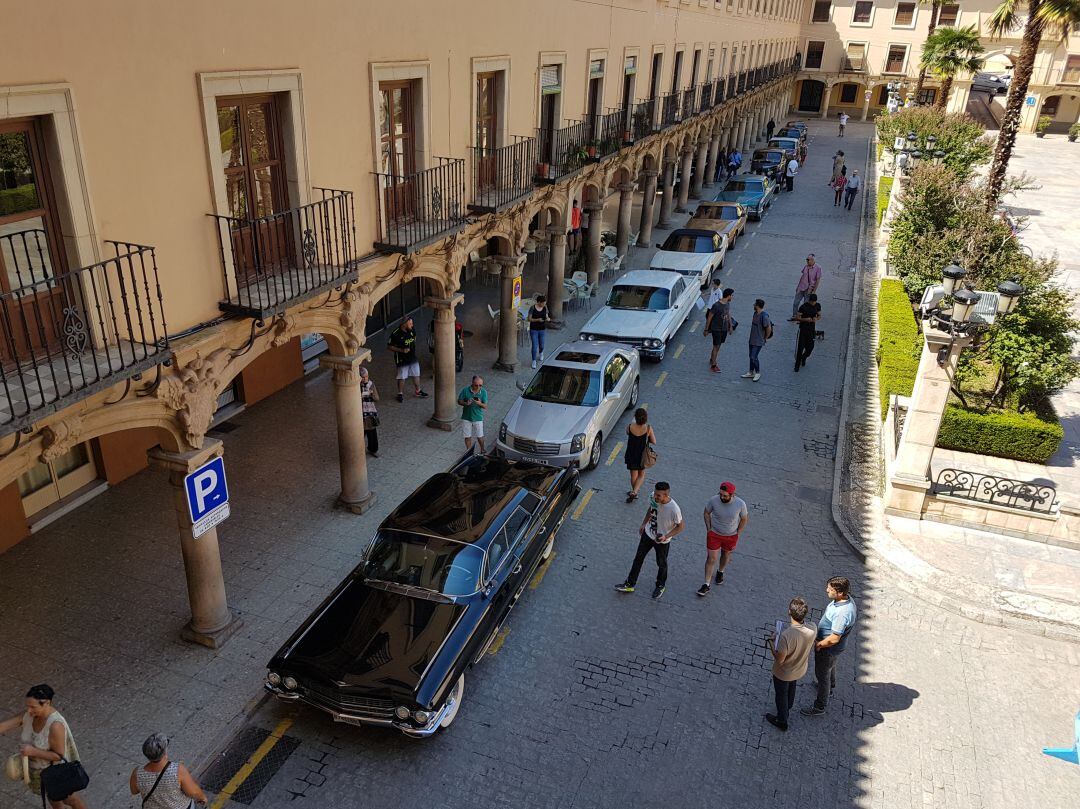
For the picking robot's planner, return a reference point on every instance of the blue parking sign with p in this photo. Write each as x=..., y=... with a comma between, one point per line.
x=207, y=496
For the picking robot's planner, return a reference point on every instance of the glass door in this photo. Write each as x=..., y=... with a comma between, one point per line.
x=487, y=122
x=397, y=144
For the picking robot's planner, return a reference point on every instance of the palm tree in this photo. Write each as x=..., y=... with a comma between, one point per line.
x=1043, y=17
x=935, y=9
x=949, y=51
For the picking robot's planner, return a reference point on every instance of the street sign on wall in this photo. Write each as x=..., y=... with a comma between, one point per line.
x=517, y=292
x=207, y=496
x=1030, y=101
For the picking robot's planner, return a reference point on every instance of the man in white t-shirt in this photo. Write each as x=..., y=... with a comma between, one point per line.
x=663, y=522
x=789, y=175
x=844, y=117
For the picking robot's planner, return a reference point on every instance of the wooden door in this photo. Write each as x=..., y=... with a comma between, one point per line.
x=34, y=292
x=397, y=143
x=487, y=122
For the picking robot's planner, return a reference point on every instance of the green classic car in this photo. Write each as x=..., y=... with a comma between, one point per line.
x=752, y=191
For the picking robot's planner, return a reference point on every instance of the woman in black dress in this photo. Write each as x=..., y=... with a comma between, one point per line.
x=639, y=436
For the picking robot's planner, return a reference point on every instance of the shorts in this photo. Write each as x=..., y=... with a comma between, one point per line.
x=718, y=337
x=472, y=429
x=575, y=231
x=719, y=542
x=405, y=371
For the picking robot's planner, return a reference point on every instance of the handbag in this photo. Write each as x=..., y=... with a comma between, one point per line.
x=62, y=779
x=648, y=457
x=371, y=421
x=17, y=768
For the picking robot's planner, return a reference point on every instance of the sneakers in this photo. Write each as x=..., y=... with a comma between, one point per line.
x=776, y=723
x=659, y=591
x=625, y=587
x=719, y=577
x=756, y=377
x=813, y=710
x=421, y=394
x=796, y=367
x=630, y=497
x=401, y=397
x=534, y=364
x=541, y=356
x=748, y=375
x=703, y=590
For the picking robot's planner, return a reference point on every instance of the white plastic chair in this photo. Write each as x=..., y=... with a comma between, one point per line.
x=580, y=277
x=494, y=313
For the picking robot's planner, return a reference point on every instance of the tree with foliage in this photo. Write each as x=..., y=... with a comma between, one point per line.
x=1053, y=17
x=935, y=9
x=948, y=52
x=961, y=137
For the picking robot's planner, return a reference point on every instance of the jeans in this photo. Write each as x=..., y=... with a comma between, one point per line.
x=785, y=697
x=800, y=299
x=755, y=366
x=646, y=544
x=805, y=346
x=849, y=196
x=536, y=336
x=825, y=671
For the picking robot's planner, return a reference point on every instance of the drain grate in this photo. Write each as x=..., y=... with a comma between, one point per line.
x=222, y=770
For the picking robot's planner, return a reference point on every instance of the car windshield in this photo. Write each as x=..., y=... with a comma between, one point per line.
x=743, y=185
x=782, y=144
x=769, y=157
x=568, y=386
x=627, y=296
x=688, y=243
x=430, y=563
x=728, y=212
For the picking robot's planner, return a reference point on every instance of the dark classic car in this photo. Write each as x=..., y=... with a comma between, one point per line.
x=391, y=644
x=770, y=162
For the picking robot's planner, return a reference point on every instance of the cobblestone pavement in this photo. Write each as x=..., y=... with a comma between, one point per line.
x=591, y=699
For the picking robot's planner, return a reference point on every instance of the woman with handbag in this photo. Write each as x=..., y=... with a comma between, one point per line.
x=640, y=454
x=369, y=395
x=47, y=741
x=164, y=784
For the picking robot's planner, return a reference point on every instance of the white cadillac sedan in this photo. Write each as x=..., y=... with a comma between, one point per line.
x=693, y=252
x=644, y=309
x=571, y=405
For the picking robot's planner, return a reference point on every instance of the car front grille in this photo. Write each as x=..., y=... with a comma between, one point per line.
x=637, y=342
x=339, y=701
x=537, y=448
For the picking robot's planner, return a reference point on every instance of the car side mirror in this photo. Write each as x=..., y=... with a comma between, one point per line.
x=659, y=245
x=520, y=385
x=613, y=394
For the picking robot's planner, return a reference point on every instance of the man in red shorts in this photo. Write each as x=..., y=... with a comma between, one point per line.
x=725, y=519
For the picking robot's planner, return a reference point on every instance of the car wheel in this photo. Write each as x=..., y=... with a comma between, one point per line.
x=456, y=694
x=594, y=452
x=634, y=391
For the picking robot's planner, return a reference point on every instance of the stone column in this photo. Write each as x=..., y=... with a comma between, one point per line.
x=592, y=245
x=699, y=177
x=626, y=207
x=740, y=129
x=556, y=275
x=710, y=162
x=866, y=105
x=668, y=195
x=445, y=415
x=508, y=316
x=211, y=624
x=747, y=134
x=648, y=201
x=684, y=180
x=825, y=96
x=909, y=479
x=352, y=451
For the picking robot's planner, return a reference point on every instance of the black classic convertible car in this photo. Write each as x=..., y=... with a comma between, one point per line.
x=391, y=644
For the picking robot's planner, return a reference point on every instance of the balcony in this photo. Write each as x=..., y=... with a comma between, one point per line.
x=670, y=112
x=607, y=133
x=276, y=261
x=732, y=86
x=689, y=103
x=562, y=151
x=418, y=209
x=742, y=82
x=502, y=176
x=852, y=64
x=66, y=337
x=643, y=121
x=705, y=96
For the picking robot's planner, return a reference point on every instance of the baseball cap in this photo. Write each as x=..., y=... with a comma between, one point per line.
x=727, y=487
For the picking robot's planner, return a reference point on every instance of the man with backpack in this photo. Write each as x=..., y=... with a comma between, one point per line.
x=761, y=331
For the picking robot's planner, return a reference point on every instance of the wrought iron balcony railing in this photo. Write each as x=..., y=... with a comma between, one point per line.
x=688, y=104
x=719, y=88
x=502, y=176
x=643, y=121
x=272, y=262
x=1031, y=496
x=65, y=337
x=849, y=64
x=732, y=86
x=608, y=134
x=670, y=112
x=417, y=209
x=562, y=151
x=742, y=82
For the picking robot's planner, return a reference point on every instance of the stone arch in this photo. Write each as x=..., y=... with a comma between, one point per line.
x=1063, y=109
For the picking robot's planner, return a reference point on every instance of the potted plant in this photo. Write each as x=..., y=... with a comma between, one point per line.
x=543, y=171
x=1042, y=125
x=591, y=148
x=1074, y=132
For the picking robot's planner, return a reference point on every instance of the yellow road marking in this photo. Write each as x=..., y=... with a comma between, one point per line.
x=500, y=639
x=660, y=381
x=538, y=576
x=584, y=502
x=614, y=453
x=679, y=350
x=693, y=326
x=644, y=405
x=249, y=766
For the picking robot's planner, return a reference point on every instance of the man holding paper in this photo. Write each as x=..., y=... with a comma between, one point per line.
x=791, y=657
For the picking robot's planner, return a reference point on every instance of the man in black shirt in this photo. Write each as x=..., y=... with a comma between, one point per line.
x=808, y=316
x=402, y=342
x=718, y=324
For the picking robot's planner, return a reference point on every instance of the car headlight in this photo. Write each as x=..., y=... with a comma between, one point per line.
x=584, y=336
x=274, y=679
x=421, y=716
x=402, y=713
x=578, y=443
x=502, y=431
x=290, y=683
x=653, y=343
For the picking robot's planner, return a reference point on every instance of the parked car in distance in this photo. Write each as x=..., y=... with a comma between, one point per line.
x=789, y=145
x=644, y=309
x=990, y=83
x=571, y=405
x=692, y=252
x=755, y=192
x=390, y=645
x=791, y=132
x=726, y=218
x=770, y=162
x=800, y=125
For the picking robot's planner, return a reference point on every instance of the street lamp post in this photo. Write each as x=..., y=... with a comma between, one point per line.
x=954, y=316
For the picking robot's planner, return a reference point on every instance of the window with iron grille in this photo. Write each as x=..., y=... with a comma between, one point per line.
x=894, y=62
x=1070, y=74
x=905, y=15
x=815, y=52
x=855, y=56
x=864, y=12
x=948, y=14
x=926, y=95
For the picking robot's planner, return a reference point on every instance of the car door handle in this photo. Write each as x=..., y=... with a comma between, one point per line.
x=517, y=569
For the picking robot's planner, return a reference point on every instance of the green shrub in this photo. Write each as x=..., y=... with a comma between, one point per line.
x=884, y=189
x=19, y=198
x=1006, y=434
x=961, y=137
x=899, y=344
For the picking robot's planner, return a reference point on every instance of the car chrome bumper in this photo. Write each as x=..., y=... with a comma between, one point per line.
x=356, y=719
x=575, y=459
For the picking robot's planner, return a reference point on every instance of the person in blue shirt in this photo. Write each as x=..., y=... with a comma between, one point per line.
x=832, y=633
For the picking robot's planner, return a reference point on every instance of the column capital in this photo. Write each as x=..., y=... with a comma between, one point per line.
x=511, y=265
x=558, y=237
x=186, y=462
x=593, y=207
x=444, y=303
x=650, y=173
x=625, y=188
x=346, y=370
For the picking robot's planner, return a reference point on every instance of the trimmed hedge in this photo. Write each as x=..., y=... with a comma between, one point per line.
x=899, y=344
x=1004, y=433
x=884, y=189
x=20, y=198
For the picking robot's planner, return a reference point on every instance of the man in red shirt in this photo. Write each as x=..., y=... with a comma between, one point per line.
x=575, y=228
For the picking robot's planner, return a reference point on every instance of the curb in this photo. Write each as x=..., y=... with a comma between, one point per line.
x=932, y=585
